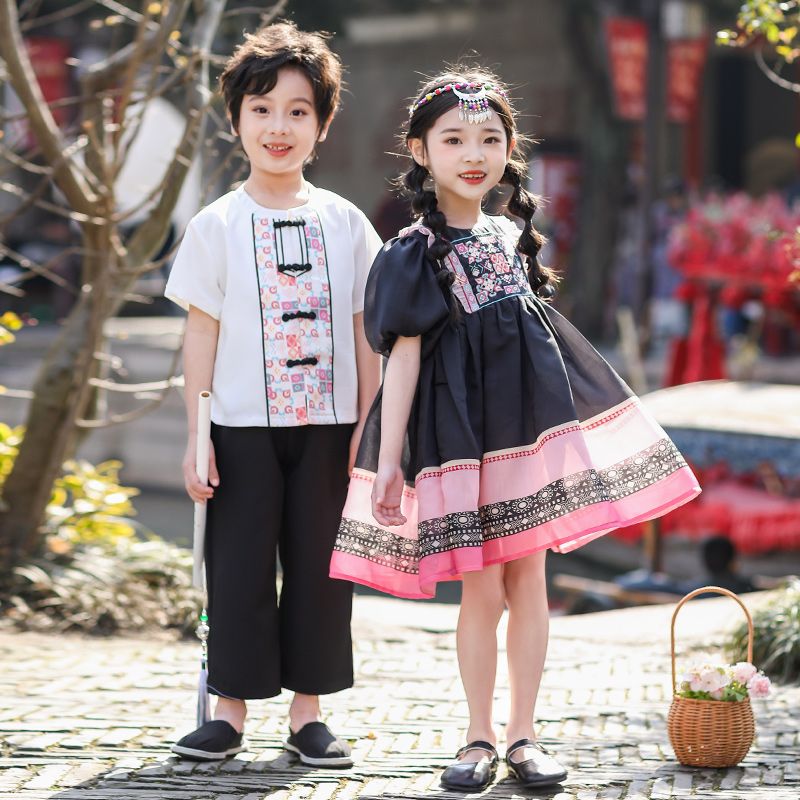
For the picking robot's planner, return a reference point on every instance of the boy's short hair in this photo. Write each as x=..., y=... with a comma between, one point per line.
x=253, y=68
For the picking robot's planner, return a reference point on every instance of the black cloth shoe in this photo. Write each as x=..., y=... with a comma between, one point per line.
x=317, y=746
x=212, y=741
x=471, y=776
x=541, y=770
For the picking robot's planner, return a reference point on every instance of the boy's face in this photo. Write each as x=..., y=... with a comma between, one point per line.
x=278, y=130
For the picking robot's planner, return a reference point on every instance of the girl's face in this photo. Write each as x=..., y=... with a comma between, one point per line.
x=465, y=160
x=279, y=130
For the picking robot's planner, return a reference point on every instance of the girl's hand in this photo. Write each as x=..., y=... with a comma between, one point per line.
x=386, y=494
x=355, y=441
x=198, y=491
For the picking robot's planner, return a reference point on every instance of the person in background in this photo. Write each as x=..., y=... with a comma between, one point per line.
x=719, y=560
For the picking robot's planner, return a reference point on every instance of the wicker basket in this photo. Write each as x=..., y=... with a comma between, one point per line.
x=710, y=733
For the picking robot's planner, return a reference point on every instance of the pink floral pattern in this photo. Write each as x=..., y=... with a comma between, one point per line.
x=492, y=266
x=296, y=394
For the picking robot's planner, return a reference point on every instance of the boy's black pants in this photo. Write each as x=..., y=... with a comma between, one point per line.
x=281, y=491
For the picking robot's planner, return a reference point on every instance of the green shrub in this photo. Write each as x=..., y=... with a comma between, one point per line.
x=89, y=506
x=776, y=644
x=98, y=571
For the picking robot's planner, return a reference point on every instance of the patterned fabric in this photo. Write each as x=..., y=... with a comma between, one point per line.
x=496, y=520
x=284, y=285
x=521, y=437
x=581, y=490
x=296, y=317
x=378, y=545
x=486, y=265
x=490, y=263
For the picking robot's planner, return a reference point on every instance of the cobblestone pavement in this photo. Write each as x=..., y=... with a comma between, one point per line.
x=92, y=719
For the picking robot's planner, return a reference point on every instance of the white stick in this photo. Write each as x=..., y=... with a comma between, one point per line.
x=201, y=465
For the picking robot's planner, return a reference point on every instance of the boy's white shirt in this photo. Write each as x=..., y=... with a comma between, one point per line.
x=232, y=265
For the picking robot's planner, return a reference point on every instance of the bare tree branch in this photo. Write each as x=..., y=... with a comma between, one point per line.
x=39, y=269
x=23, y=163
x=774, y=76
x=104, y=74
x=164, y=387
x=133, y=388
x=75, y=216
x=17, y=394
x=23, y=79
x=56, y=16
x=265, y=16
x=122, y=10
x=152, y=232
x=131, y=68
x=7, y=288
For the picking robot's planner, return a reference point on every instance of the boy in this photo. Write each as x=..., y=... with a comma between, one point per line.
x=273, y=275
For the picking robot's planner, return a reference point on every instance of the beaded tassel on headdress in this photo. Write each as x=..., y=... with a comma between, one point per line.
x=473, y=100
x=473, y=107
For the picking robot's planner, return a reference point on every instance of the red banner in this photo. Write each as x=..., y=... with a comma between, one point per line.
x=686, y=59
x=47, y=57
x=627, y=50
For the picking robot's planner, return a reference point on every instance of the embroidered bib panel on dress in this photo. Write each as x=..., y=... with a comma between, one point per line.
x=487, y=268
x=486, y=265
x=296, y=317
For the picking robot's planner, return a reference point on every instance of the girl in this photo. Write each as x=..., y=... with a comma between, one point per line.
x=499, y=432
x=273, y=277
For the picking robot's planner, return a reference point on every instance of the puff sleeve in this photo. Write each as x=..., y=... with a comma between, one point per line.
x=403, y=297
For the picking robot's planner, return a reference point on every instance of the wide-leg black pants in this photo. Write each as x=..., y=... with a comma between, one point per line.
x=281, y=491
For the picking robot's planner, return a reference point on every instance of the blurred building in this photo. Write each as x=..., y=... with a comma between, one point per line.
x=554, y=54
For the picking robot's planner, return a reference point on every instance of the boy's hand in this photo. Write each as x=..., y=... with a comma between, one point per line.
x=198, y=491
x=387, y=492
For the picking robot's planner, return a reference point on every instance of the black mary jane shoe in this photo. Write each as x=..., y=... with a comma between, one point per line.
x=471, y=776
x=541, y=770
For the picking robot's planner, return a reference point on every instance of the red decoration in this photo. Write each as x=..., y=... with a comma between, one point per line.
x=736, y=240
x=627, y=50
x=47, y=56
x=752, y=518
x=686, y=59
x=730, y=249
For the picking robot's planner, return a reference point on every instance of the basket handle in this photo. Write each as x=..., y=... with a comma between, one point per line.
x=704, y=590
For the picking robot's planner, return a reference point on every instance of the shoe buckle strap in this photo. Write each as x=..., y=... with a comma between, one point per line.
x=478, y=745
x=523, y=743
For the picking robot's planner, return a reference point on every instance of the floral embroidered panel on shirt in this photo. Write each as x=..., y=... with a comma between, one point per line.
x=488, y=269
x=297, y=319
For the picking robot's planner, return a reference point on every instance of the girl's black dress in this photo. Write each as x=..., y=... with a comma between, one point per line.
x=521, y=436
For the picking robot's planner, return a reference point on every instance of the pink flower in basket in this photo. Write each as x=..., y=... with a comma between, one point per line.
x=706, y=678
x=743, y=671
x=758, y=686
x=723, y=682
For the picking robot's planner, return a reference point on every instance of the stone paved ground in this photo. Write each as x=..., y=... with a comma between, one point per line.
x=92, y=719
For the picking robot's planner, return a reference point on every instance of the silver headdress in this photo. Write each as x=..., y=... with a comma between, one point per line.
x=473, y=100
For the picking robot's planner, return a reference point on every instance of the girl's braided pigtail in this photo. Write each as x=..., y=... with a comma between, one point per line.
x=424, y=203
x=522, y=204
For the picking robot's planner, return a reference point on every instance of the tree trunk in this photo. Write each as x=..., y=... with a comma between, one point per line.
x=60, y=394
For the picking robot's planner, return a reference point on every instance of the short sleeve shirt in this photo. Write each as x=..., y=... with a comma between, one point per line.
x=284, y=285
